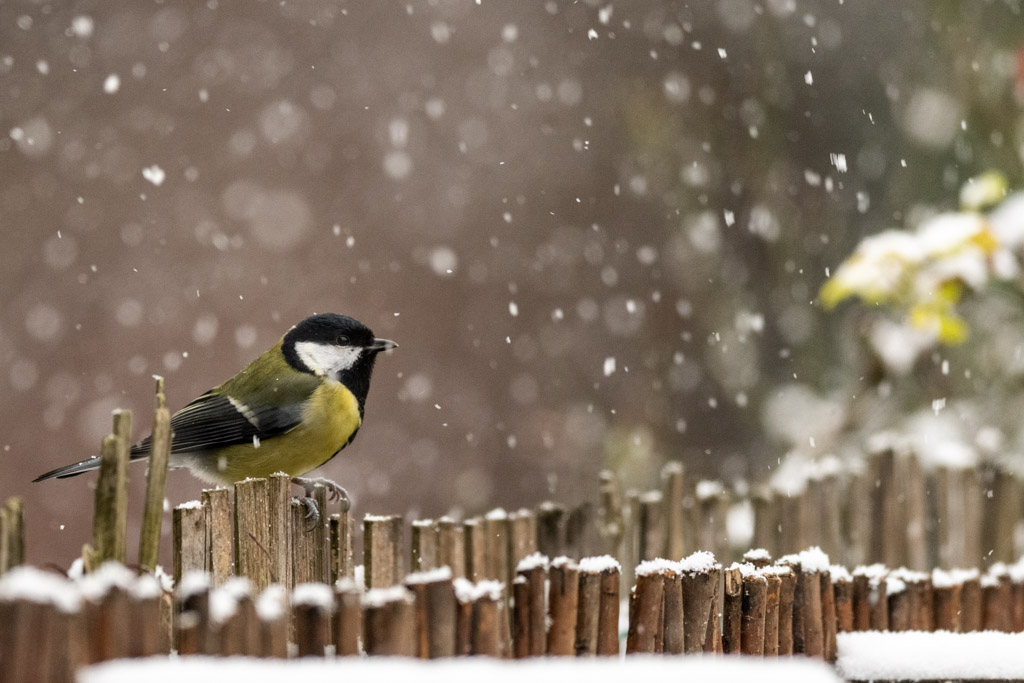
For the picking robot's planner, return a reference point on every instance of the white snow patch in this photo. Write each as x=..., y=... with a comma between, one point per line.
x=598, y=564
x=378, y=597
x=606, y=670
x=154, y=174
x=532, y=561
x=430, y=576
x=35, y=585
x=657, y=566
x=314, y=595
x=609, y=366
x=913, y=655
x=699, y=562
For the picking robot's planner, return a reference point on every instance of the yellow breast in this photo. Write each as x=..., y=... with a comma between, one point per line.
x=330, y=418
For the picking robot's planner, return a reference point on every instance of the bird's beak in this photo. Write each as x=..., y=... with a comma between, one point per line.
x=381, y=345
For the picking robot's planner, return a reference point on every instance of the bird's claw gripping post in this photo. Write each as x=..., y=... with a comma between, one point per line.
x=335, y=492
x=312, y=511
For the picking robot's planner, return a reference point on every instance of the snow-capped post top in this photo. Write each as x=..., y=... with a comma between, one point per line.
x=313, y=595
x=599, y=564
x=466, y=591
x=436, y=575
x=700, y=562
x=531, y=562
x=657, y=566
x=379, y=597
x=813, y=559
x=25, y=582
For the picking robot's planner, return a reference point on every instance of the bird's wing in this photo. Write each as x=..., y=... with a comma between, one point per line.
x=216, y=421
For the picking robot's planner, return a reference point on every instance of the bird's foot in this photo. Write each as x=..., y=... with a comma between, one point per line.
x=335, y=492
x=312, y=515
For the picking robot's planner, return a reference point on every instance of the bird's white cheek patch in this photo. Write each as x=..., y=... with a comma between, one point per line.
x=327, y=360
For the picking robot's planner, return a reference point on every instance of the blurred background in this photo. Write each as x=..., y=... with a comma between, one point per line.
x=597, y=229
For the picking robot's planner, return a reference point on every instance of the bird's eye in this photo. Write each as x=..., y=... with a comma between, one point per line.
x=343, y=340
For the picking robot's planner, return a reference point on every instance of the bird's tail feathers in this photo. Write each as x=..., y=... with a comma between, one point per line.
x=83, y=466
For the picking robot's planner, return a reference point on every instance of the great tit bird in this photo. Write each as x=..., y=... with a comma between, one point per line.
x=291, y=410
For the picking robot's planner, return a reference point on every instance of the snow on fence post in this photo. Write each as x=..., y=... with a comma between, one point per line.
x=389, y=626
x=530, y=613
x=808, y=625
x=156, y=481
x=271, y=609
x=312, y=607
x=382, y=550
x=423, y=545
x=451, y=546
x=497, y=545
x=946, y=592
x=563, y=594
x=217, y=507
x=192, y=613
x=673, y=493
x=699, y=578
x=486, y=600
x=646, y=602
x=1017, y=597
x=279, y=528
x=842, y=593
x=551, y=521
x=732, y=610
x=995, y=599
x=342, y=565
x=252, y=519
x=754, y=598
x=348, y=618
x=597, y=615
x=38, y=638
x=520, y=617
x=434, y=596
x=188, y=527
x=110, y=520
x=241, y=632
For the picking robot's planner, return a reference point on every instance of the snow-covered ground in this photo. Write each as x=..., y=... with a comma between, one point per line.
x=469, y=670
x=913, y=656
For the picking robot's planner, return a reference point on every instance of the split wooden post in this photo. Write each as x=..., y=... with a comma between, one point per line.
x=946, y=600
x=563, y=595
x=699, y=576
x=651, y=526
x=842, y=586
x=434, y=596
x=597, y=616
x=217, y=507
x=610, y=513
x=312, y=607
x=773, y=594
x=156, y=482
x=476, y=549
x=531, y=613
x=389, y=625
x=486, y=614
x=252, y=532
x=551, y=521
x=279, y=528
x=12, y=534
x=189, y=552
x=732, y=611
x=828, y=616
x=348, y=618
x=497, y=545
x=523, y=536
x=110, y=522
x=423, y=548
x=382, y=553
x=970, y=604
x=673, y=493
x=754, y=602
x=272, y=609
x=672, y=611
x=342, y=562
x=646, y=602
x=451, y=546
x=787, y=596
